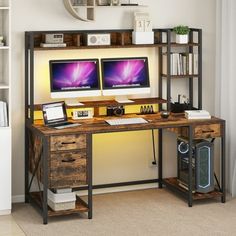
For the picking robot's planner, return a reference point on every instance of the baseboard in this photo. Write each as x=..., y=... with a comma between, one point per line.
x=18, y=198
x=5, y=212
x=21, y=198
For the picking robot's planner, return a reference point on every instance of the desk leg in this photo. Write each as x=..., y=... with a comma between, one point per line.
x=160, y=157
x=90, y=176
x=26, y=165
x=190, y=182
x=45, y=180
x=223, y=163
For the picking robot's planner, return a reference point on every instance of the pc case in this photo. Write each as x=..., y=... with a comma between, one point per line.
x=202, y=164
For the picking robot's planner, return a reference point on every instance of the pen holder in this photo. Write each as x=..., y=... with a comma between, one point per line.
x=179, y=107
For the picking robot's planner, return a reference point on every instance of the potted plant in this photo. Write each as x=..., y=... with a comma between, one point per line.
x=181, y=32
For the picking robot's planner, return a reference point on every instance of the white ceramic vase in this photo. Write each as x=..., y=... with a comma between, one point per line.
x=182, y=38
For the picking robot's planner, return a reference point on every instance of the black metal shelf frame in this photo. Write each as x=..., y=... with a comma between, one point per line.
x=169, y=46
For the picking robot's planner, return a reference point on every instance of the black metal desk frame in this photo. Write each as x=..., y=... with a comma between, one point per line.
x=160, y=179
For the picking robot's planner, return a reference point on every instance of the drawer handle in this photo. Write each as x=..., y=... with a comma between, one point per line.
x=68, y=143
x=208, y=131
x=68, y=160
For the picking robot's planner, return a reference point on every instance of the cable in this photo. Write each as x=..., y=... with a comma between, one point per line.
x=153, y=149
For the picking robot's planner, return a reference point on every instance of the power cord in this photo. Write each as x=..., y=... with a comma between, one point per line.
x=154, y=162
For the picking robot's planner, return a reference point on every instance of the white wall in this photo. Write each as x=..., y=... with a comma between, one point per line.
x=30, y=15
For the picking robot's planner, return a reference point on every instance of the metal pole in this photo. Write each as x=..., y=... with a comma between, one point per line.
x=90, y=175
x=160, y=157
x=45, y=180
x=223, y=163
x=190, y=174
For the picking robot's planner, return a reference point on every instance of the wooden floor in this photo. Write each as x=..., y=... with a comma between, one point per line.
x=9, y=227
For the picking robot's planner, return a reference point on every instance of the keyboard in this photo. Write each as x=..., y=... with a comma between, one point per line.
x=126, y=121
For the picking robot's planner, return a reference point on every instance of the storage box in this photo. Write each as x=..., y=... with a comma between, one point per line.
x=61, y=201
x=179, y=107
x=143, y=37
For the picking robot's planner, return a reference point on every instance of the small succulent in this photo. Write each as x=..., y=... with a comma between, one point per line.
x=181, y=29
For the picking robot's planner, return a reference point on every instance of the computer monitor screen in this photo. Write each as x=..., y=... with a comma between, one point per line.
x=125, y=76
x=74, y=78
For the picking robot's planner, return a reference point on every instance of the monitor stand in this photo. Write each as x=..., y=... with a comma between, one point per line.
x=123, y=99
x=73, y=102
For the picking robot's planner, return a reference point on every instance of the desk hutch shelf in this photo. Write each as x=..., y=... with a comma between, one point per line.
x=38, y=160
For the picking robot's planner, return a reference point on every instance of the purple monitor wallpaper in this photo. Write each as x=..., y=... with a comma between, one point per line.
x=74, y=75
x=120, y=73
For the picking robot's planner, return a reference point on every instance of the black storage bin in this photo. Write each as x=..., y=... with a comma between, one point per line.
x=179, y=107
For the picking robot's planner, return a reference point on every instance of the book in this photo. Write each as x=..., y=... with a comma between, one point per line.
x=184, y=63
x=3, y=114
x=164, y=63
x=195, y=63
x=52, y=45
x=197, y=114
x=190, y=63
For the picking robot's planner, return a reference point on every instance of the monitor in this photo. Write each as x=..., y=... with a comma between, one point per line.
x=74, y=78
x=125, y=76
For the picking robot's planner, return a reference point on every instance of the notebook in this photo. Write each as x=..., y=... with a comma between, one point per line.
x=54, y=115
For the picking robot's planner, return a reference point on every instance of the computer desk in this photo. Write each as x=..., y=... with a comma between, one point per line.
x=49, y=152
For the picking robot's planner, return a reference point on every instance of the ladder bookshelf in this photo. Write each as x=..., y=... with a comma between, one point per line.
x=5, y=107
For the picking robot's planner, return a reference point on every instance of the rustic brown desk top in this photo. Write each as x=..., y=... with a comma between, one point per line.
x=98, y=124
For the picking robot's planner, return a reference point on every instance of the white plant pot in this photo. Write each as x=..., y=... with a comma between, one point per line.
x=182, y=38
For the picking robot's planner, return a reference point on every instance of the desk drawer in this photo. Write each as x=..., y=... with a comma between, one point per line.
x=67, y=142
x=67, y=169
x=207, y=131
x=201, y=131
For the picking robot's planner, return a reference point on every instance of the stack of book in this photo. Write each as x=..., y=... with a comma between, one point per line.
x=53, y=45
x=3, y=114
x=181, y=63
x=197, y=114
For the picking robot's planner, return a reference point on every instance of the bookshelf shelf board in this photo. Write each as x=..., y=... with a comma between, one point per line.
x=4, y=8
x=181, y=45
x=80, y=206
x=124, y=6
x=180, y=76
x=4, y=127
x=99, y=47
x=81, y=7
x=4, y=86
x=172, y=182
x=4, y=47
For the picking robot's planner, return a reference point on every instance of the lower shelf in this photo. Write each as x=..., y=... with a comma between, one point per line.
x=173, y=183
x=80, y=206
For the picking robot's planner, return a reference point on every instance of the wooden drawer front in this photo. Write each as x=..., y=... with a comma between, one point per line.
x=68, y=142
x=203, y=131
x=207, y=131
x=67, y=169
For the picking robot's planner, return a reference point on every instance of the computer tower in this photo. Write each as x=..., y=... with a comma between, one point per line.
x=202, y=164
